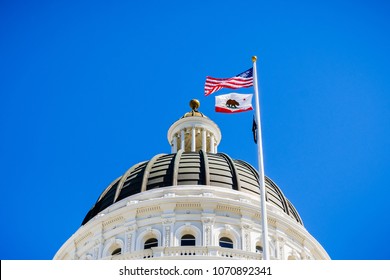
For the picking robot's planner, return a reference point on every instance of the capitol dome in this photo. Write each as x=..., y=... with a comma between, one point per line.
x=191, y=168
x=193, y=203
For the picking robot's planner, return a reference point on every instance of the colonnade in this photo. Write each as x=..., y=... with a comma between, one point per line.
x=198, y=138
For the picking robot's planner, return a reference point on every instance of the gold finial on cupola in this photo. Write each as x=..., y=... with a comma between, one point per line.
x=194, y=104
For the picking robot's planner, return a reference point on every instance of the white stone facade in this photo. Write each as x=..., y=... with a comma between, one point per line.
x=203, y=212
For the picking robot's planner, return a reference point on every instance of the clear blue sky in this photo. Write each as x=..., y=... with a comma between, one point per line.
x=89, y=88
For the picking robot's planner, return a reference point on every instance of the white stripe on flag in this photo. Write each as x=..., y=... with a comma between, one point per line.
x=233, y=103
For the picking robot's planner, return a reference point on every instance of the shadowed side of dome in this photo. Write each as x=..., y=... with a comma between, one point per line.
x=191, y=168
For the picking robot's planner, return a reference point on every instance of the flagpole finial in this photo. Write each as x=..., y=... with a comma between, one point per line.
x=254, y=58
x=194, y=104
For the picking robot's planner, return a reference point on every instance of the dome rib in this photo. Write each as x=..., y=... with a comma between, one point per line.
x=206, y=169
x=235, y=174
x=294, y=212
x=279, y=194
x=254, y=173
x=108, y=189
x=132, y=182
x=122, y=181
x=147, y=170
x=176, y=167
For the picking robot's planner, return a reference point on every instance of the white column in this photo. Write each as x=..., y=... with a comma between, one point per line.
x=193, y=139
x=204, y=140
x=129, y=240
x=208, y=224
x=182, y=139
x=174, y=144
x=279, y=244
x=246, y=237
x=212, y=144
x=168, y=230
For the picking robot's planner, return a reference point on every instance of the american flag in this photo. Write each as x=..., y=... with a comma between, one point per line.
x=245, y=79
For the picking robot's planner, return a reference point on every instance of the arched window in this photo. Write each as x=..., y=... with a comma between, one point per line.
x=117, y=251
x=151, y=242
x=259, y=249
x=187, y=240
x=226, y=242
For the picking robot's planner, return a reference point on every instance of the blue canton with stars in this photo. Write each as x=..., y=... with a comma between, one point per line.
x=247, y=74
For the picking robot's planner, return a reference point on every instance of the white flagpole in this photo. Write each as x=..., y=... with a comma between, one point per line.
x=263, y=208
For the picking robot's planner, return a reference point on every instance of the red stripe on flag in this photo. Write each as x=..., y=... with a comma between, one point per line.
x=231, y=111
x=239, y=81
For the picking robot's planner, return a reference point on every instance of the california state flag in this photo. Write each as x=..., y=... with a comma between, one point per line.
x=233, y=103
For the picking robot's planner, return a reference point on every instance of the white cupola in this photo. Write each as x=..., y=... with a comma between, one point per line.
x=194, y=132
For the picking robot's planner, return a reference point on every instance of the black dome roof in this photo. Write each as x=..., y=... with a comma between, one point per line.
x=191, y=168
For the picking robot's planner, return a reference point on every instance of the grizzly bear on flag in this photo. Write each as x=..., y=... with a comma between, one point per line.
x=231, y=103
